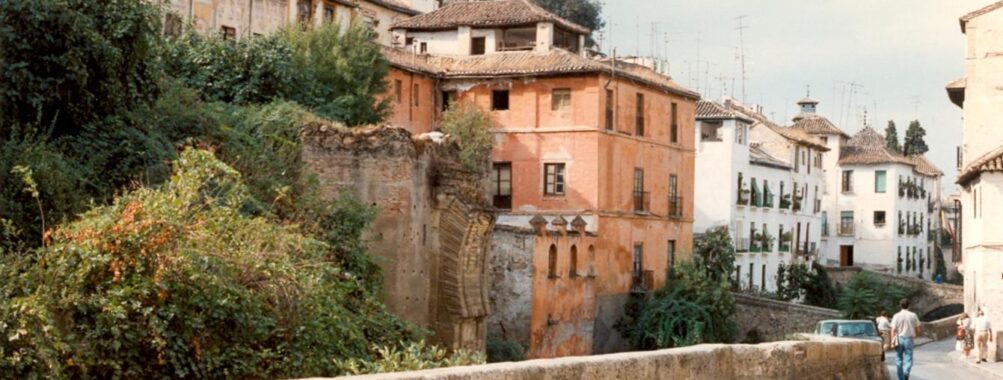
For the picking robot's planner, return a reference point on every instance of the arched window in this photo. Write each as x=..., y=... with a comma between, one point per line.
x=552, y=262
x=573, y=270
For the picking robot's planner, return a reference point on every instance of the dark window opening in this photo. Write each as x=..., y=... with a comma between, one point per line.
x=477, y=46
x=609, y=110
x=502, y=185
x=560, y=98
x=552, y=262
x=499, y=100
x=674, y=128
x=639, y=114
x=879, y=218
x=229, y=33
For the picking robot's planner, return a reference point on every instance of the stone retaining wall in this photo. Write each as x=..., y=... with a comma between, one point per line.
x=818, y=358
x=932, y=295
x=772, y=320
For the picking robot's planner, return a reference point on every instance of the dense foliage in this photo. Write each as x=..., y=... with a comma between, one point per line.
x=694, y=307
x=864, y=296
x=587, y=13
x=67, y=63
x=471, y=127
x=892, y=138
x=336, y=75
x=914, y=139
x=811, y=284
x=182, y=282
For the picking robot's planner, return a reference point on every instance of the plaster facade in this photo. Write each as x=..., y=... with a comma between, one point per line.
x=981, y=190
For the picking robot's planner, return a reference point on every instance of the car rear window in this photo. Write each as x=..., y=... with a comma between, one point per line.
x=856, y=329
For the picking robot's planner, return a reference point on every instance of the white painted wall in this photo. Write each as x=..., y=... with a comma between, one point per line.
x=983, y=68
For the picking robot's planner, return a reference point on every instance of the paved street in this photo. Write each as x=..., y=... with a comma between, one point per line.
x=932, y=362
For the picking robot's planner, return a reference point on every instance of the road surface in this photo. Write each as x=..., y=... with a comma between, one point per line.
x=931, y=362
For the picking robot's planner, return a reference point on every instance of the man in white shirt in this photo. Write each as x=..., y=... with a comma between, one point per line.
x=905, y=328
x=983, y=335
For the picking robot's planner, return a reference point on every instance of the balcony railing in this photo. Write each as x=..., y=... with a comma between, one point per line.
x=797, y=205
x=642, y=201
x=825, y=229
x=785, y=203
x=785, y=246
x=768, y=200
x=756, y=246
x=743, y=197
x=676, y=207
x=846, y=230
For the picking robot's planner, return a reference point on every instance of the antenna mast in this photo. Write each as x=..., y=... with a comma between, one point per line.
x=741, y=50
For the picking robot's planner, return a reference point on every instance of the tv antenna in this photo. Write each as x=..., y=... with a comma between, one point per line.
x=741, y=49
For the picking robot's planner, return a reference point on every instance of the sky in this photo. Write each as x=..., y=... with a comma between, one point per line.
x=890, y=58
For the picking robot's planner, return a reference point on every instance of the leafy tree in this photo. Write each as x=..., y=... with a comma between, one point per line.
x=471, y=126
x=914, y=143
x=715, y=252
x=892, y=138
x=864, y=296
x=67, y=63
x=819, y=291
x=587, y=13
x=798, y=280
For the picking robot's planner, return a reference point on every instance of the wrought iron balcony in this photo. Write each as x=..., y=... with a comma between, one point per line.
x=642, y=202
x=676, y=207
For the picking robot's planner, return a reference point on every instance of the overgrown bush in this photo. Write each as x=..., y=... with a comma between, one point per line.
x=413, y=357
x=865, y=296
x=798, y=281
x=500, y=350
x=694, y=307
x=182, y=282
x=471, y=127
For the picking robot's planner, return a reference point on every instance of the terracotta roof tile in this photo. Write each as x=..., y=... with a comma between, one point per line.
x=509, y=64
x=759, y=156
x=867, y=147
x=989, y=162
x=486, y=14
x=816, y=125
x=795, y=135
x=710, y=110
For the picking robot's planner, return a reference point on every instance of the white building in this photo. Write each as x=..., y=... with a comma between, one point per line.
x=762, y=181
x=981, y=160
x=884, y=209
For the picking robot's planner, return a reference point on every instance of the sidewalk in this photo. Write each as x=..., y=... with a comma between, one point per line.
x=992, y=369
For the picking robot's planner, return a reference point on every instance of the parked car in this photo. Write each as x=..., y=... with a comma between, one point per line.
x=856, y=329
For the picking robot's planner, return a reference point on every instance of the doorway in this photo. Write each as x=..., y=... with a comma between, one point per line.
x=846, y=255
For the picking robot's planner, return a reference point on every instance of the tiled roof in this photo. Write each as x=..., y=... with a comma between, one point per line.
x=868, y=147
x=798, y=136
x=486, y=14
x=986, y=9
x=396, y=6
x=759, y=156
x=989, y=162
x=526, y=63
x=807, y=100
x=710, y=110
x=816, y=125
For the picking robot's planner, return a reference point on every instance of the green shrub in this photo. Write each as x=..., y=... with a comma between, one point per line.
x=797, y=280
x=471, y=127
x=500, y=350
x=67, y=63
x=181, y=282
x=865, y=296
x=413, y=357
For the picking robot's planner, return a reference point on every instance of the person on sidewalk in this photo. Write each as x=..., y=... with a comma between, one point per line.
x=964, y=334
x=905, y=329
x=983, y=335
x=885, y=329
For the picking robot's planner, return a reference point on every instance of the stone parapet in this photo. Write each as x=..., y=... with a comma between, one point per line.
x=817, y=358
x=762, y=319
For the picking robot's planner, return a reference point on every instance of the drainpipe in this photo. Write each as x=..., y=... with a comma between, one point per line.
x=612, y=77
x=250, y=18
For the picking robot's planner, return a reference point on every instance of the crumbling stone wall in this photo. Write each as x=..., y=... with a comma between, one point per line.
x=817, y=358
x=765, y=320
x=431, y=233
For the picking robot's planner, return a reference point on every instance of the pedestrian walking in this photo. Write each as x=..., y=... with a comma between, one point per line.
x=964, y=335
x=983, y=335
x=905, y=329
x=884, y=329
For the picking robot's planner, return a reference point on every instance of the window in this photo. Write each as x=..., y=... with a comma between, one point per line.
x=477, y=46
x=502, y=185
x=398, y=89
x=499, y=100
x=560, y=98
x=879, y=218
x=414, y=94
x=846, y=223
x=818, y=160
x=797, y=163
x=639, y=115
x=609, y=110
x=674, y=128
x=423, y=48
x=304, y=12
x=738, y=275
x=847, y=181
x=638, y=263
x=640, y=196
x=880, y=181
x=762, y=281
x=172, y=25
x=229, y=33
x=328, y=15
x=573, y=267
x=675, y=202
x=752, y=275
x=552, y=262
x=553, y=182
x=672, y=255
x=740, y=133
